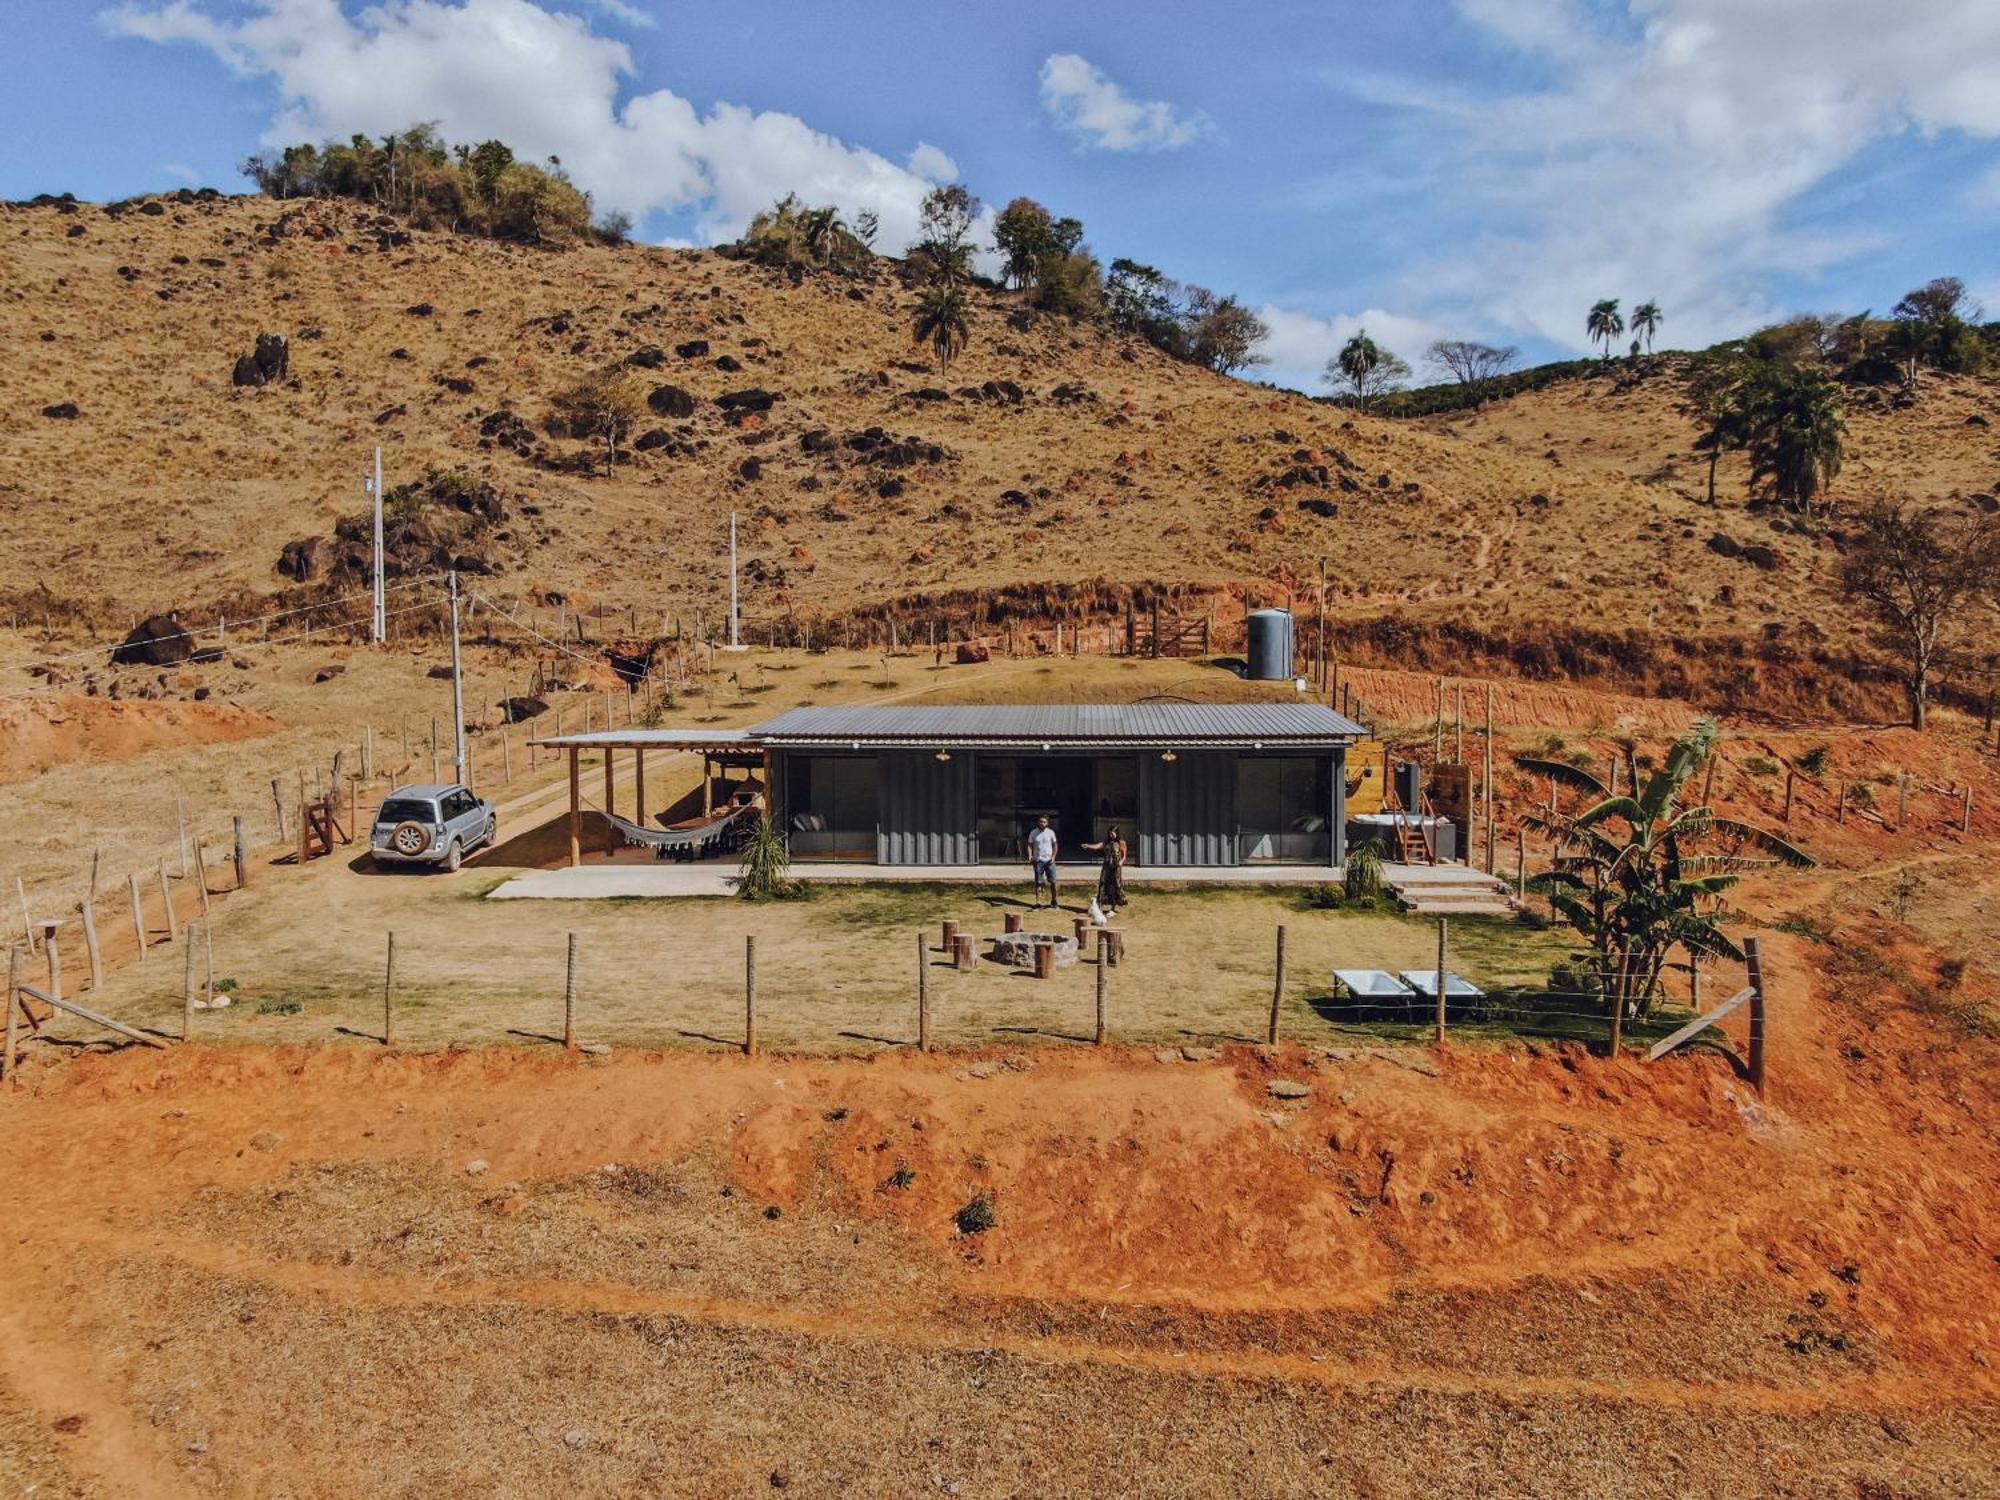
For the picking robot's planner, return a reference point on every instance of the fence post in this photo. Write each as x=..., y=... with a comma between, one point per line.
x=278, y=801
x=201, y=877
x=240, y=851
x=167, y=900
x=388, y=994
x=54, y=956
x=27, y=921
x=749, y=995
x=923, y=994
x=1439, y=979
x=1753, y=962
x=90, y=948
x=138, y=916
x=569, y=997
x=187, y=988
x=1277, y=989
x=1102, y=965
x=1965, y=812
x=1521, y=864
x=13, y=1008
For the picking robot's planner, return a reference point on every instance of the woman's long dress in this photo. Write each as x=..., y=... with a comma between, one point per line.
x=1111, y=879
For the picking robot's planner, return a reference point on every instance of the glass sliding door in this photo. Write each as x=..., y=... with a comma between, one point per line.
x=1283, y=810
x=834, y=806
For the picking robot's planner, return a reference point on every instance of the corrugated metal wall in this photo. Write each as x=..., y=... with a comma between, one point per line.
x=1187, y=808
x=927, y=809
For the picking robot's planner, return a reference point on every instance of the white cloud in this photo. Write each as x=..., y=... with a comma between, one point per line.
x=180, y=170
x=932, y=164
x=548, y=85
x=1090, y=106
x=1301, y=343
x=620, y=10
x=1672, y=151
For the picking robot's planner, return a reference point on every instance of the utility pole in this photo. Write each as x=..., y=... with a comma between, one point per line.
x=380, y=629
x=735, y=616
x=1320, y=676
x=457, y=693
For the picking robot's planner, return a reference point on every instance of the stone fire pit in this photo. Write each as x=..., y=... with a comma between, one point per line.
x=1018, y=948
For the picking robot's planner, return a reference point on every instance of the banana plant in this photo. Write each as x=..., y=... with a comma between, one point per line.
x=1641, y=874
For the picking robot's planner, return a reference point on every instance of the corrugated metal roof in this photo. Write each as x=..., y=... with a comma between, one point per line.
x=1145, y=723
x=672, y=739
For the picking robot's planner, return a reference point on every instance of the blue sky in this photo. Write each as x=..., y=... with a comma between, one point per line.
x=1465, y=168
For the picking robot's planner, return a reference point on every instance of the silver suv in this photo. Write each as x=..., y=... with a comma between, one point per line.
x=432, y=825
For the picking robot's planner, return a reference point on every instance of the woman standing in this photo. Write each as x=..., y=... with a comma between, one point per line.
x=1111, y=877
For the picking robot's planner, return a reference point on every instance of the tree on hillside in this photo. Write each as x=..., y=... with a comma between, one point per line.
x=1222, y=333
x=944, y=321
x=1472, y=365
x=867, y=224
x=1142, y=300
x=1024, y=234
x=1922, y=574
x=1792, y=420
x=1365, y=368
x=1642, y=874
x=1646, y=321
x=942, y=250
x=604, y=406
x=1936, y=326
x=1714, y=398
x=1604, y=323
x=793, y=236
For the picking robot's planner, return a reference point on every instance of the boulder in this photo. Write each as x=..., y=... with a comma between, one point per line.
x=648, y=357
x=63, y=411
x=305, y=559
x=518, y=710
x=692, y=349
x=157, y=641
x=671, y=401
x=729, y=364
x=753, y=399
x=330, y=671
x=970, y=652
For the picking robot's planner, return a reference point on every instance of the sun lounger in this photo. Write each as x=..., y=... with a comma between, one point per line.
x=1424, y=982
x=1372, y=984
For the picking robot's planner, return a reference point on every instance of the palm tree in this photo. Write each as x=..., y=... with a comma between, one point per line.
x=944, y=321
x=1637, y=893
x=1646, y=321
x=1366, y=368
x=1715, y=385
x=1604, y=323
x=1793, y=421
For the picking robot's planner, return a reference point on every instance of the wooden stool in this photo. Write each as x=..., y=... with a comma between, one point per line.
x=1082, y=931
x=1110, y=946
x=961, y=954
x=950, y=935
x=1013, y=921
x=1045, y=958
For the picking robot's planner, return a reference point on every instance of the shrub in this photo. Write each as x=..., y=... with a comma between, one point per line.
x=1762, y=765
x=765, y=874
x=977, y=1216
x=1813, y=762
x=1322, y=897
x=1362, y=879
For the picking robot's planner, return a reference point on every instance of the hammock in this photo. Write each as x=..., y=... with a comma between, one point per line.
x=690, y=840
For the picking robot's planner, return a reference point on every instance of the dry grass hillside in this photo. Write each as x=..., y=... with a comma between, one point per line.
x=1573, y=510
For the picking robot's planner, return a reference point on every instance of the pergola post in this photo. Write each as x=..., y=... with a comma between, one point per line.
x=639, y=777
x=575, y=812
x=706, y=809
x=610, y=804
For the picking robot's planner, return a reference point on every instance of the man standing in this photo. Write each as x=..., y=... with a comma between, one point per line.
x=1042, y=850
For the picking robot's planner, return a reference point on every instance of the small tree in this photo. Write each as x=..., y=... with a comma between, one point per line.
x=944, y=321
x=1365, y=368
x=1714, y=399
x=1922, y=574
x=604, y=405
x=1792, y=419
x=943, y=247
x=867, y=224
x=1472, y=365
x=1605, y=323
x=1221, y=332
x=1640, y=875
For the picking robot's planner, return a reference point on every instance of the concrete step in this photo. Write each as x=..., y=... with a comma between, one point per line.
x=1464, y=908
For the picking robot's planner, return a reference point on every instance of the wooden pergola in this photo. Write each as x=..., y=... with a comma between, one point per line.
x=725, y=747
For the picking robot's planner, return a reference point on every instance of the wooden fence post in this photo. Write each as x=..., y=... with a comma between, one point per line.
x=278, y=801
x=569, y=997
x=388, y=994
x=1841, y=815
x=1965, y=812
x=1902, y=799
x=923, y=994
x=201, y=877
x=181, y=824
x=1101, y=967
x=1277, y=990
x=1439, y=978
x=54, y=955
x=187, y=988
x=90, y=948
x=13, y=1008
x=240, y=851
x=1521, y=864
x=167, y=899
x=1754, y=963
x=27, y=921
x=1790, y=776
x=138, y=916
x=749, y=995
